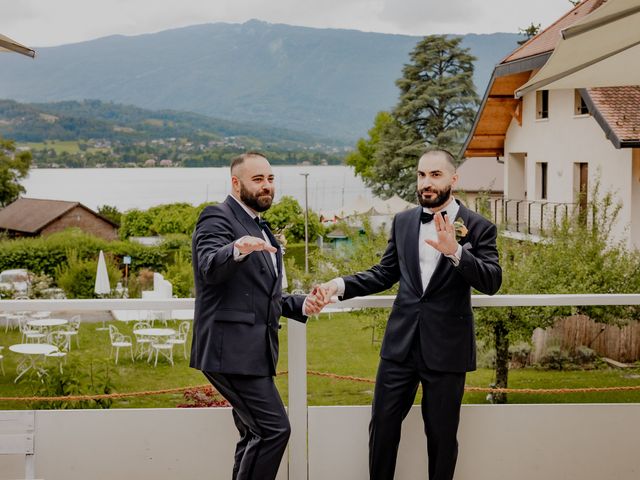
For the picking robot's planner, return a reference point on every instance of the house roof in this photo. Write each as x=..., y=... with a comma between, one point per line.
x=31, y=215
x=481, y=174
x=499, y=106
x=617, y=111
x=547, y=39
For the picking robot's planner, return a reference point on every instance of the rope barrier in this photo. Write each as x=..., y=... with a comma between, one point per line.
x=470, y=389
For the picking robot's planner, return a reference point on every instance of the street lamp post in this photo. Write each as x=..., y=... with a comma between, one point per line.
x=306, y=224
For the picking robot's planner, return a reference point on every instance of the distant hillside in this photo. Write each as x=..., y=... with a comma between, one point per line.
x=72, y=120
x=326, y=82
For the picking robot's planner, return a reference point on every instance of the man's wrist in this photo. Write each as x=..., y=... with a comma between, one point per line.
x=455, y=256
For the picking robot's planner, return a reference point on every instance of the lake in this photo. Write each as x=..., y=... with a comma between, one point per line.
x=329, y=187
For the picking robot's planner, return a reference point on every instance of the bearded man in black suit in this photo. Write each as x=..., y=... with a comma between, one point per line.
x=238, y=273
x=429, y=338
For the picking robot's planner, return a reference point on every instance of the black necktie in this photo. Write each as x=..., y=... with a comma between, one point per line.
x=264, y=226
x=426, y=217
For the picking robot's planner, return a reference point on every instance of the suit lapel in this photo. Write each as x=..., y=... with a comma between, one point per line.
x=252, y=229
x=444, y=264
x=412, y=235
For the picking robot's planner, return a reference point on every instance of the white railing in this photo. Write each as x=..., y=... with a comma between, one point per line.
x=298, y=407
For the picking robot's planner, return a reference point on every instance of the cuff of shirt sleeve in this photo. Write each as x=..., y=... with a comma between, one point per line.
x=304, y=307
x=237, y=256
x=341, y=286
x=455, y=258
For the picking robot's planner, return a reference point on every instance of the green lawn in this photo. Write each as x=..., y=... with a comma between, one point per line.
x=338, y=344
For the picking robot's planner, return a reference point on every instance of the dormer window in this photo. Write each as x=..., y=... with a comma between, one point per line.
x=542, y=104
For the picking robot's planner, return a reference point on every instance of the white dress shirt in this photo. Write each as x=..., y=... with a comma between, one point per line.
x=237, y=256
x=427, y=255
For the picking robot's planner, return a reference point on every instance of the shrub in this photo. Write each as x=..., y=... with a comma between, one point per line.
x=76, y=379
x=584, y=355
x=142, y=281
x=519, y=354
x=180, y=274
x=77, y=278
x=554, y=358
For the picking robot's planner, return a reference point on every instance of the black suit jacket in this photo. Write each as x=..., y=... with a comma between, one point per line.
x=238, y=303
x=441, y=314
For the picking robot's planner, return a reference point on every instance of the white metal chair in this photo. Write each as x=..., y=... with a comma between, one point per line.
x=59, y=340
x=73, y=330
x=143, y=343
x=164, y=348
x=119, y=341
x=181, y=337
x=29, y=334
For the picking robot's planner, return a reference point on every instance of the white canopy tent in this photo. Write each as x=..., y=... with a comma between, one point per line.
x=8, y=45
x=391, y=206
x=600, y=50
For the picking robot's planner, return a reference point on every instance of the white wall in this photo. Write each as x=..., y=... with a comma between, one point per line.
x=564, y=139
x=497, y=442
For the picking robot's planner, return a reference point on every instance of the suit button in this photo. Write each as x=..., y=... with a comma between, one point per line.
x=262, y=269
x=279, y=327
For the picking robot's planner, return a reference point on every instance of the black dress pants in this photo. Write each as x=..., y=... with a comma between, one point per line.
x=260, y=418
x=395, y=391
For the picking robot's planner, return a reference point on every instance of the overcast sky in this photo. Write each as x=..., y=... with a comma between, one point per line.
x=39, y=23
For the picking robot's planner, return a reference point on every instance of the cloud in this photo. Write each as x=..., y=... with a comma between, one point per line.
x=426, y=16
x=47, y=22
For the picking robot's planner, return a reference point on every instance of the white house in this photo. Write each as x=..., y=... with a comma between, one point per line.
x=557, y=144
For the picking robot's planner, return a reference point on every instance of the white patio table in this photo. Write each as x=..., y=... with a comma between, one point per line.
x=47, y=322
x=157, y=333
x=33, y=353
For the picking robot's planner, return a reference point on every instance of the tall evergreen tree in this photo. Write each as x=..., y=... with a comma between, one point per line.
x=14, y=167
x=436, y=108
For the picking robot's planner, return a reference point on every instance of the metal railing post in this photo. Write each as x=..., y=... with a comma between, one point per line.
x=297, y=344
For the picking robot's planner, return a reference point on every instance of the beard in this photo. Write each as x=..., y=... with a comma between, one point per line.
x=260, y=201
x=442, y=196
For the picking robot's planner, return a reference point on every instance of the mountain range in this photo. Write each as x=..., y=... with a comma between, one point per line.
x=326, y=82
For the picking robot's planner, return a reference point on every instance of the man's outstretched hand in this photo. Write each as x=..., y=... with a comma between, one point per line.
x=248, y=244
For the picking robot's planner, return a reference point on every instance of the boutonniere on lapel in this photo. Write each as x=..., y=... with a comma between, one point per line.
x=460, y=229
x=281, y=239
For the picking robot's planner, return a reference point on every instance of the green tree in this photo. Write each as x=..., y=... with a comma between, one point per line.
x=436, y=109
x=362, y=159
x=576, y=257
x=287, y=217
x=111, y=212
x=14, y=168
x=529, y=32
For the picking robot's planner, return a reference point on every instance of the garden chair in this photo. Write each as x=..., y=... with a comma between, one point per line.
x=119, y=341
x=29, y=334
x=73, y=330
x=163, y=347
x=143, y=343
x=59, y=340
x=1, y=364
x=181, y=337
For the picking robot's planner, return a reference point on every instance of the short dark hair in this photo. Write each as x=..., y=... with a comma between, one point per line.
x=447, y=154
x=239, y=160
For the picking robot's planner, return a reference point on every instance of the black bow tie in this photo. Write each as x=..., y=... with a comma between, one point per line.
x=426, y=217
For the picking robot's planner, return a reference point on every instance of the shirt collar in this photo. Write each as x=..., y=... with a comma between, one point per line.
x=250, y=212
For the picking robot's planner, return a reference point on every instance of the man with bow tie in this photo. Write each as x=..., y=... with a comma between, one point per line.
x=438, y=252
x=238, y=272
